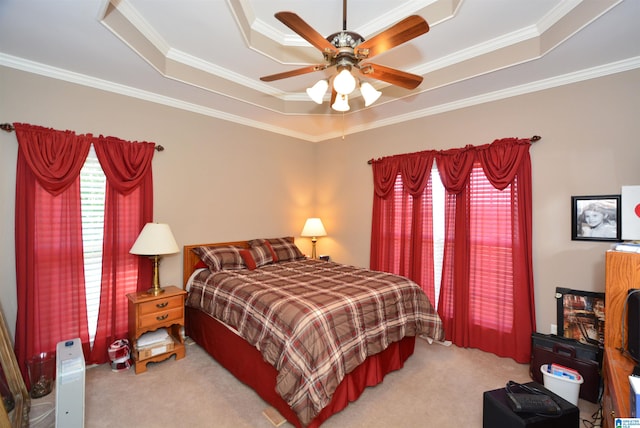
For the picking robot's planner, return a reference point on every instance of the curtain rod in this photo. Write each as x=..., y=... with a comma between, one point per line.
x=532, y=139
x=9, y=128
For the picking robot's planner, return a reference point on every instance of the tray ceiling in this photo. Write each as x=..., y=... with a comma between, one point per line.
x=208, y=56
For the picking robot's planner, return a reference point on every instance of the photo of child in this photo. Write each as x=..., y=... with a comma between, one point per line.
x=596, y=218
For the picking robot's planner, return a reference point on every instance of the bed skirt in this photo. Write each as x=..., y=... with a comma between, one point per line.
x=246, y=363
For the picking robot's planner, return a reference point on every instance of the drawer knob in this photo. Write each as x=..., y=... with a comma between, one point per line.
x=162, y=305
x=162, y=317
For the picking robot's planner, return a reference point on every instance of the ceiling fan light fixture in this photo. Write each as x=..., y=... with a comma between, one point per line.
x=341, y=103
x=369, y=93
x=345, y=50
x=317, y=91
x=344, y=82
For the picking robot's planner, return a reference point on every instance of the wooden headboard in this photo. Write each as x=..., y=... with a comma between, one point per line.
x=190, y=259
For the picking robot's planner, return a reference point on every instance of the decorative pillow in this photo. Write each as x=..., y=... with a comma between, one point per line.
x=260, y=255
x=265, y=248
x=200, y=265
x=284, y=249
x=248, y=259
x=221, y=258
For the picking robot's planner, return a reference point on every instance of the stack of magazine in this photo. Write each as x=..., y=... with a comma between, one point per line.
x=628, y=247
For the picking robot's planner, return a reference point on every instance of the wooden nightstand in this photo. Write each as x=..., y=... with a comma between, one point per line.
x=148, y=313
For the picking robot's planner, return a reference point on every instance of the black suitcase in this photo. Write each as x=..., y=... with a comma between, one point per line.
x=548, y=349
x=584, y=351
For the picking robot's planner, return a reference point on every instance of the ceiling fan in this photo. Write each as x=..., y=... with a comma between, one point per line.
x=346, y=51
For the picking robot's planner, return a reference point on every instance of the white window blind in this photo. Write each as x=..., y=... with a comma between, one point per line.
x=92, y=195
x=401, y=228
x=437, y=195
x=491, y=254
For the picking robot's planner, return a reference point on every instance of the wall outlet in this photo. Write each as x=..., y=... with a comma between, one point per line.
x=554, y=329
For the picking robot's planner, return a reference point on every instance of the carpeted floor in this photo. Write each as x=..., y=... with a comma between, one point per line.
x=439, y=386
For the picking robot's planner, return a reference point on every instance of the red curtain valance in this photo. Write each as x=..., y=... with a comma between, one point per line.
x=384, y=176
x=54, y=157
x=500, y=161
x=416, y=172
x=124, y=164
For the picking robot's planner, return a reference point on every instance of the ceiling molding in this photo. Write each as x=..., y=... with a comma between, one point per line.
x=71, y=77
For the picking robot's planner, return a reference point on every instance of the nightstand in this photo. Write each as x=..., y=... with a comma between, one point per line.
x=148, y=313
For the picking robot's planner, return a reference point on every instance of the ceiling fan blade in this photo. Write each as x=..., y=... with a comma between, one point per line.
x=405, y=30
x=296, y=72
x=391, y=75
x=305, y=31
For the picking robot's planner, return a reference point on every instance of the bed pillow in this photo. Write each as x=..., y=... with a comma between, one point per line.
x=257, y=256
x=265, y=248
x=221, y=258
x=284, y=249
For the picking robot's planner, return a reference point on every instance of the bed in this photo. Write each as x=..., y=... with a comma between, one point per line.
x=303, y=361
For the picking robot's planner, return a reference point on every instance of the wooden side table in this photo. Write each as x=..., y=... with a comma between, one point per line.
x=148, y=313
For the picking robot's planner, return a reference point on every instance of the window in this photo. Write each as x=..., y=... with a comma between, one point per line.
x=59, y=224
x=491, y=254
x=468, y=247
x=92, y=197
x=437, y=197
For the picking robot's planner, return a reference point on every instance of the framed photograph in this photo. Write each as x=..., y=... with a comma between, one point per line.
x=595, y=218
x=581, y=315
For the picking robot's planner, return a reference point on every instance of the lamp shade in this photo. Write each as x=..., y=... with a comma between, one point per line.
x=313, y=227
x=369, y=93
x=344, y=82
x=341, y=103
x=317, y=91
x=155, y=239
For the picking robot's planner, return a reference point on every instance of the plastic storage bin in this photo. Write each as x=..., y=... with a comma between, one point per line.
x=569, y=389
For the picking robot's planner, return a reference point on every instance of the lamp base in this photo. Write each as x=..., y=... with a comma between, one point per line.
x=155, y=291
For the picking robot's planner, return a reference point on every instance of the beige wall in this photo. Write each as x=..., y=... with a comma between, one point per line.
x=216, y=181
x=589, y=146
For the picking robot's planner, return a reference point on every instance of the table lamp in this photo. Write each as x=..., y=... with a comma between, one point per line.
x=313, y=228
x=155, y=240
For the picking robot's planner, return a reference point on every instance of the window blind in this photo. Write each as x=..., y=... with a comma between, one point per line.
x=92, y=195
x=491, y=255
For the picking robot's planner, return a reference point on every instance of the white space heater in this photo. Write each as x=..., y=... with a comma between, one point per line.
x=69, y=384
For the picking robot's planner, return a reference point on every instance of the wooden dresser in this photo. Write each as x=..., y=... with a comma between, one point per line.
x=622, y=274
x=148, y=312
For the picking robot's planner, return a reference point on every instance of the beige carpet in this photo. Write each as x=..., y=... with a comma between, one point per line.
x=439, y=386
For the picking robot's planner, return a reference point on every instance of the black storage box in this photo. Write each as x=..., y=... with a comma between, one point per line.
x=497, y=413
x=584, y=351
x=548, y=349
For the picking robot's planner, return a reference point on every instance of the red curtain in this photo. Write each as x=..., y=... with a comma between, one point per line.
x=402, y=239
x=48, y=227
x=49, y=251
x=486, y=294
x=128, y=207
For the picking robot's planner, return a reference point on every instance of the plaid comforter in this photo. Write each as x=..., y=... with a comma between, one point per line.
x=315, y=321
